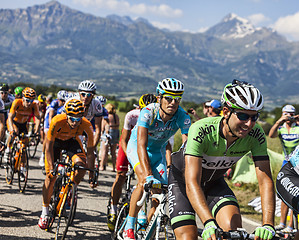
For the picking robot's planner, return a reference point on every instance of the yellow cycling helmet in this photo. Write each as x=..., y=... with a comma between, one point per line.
x=41, y=98
x=29, y=93
x=146, y=99
x=74, y=107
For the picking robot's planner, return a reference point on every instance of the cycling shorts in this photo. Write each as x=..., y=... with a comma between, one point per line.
x=217, y=193
x=157, y=161
x=72, y=147
x=287, y=186
x=122, y=160
x=22, y=127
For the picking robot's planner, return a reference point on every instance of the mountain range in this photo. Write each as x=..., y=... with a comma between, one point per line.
x=54, y=44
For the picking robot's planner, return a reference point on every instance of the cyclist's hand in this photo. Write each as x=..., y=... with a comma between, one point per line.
x=156, y=182
x=211, y=228
x=265, y=232
x=51, y=174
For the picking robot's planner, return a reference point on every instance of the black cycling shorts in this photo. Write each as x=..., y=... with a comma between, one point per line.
x=22, y=127
x=72, y=146
x=287, y=186
x=217, y=193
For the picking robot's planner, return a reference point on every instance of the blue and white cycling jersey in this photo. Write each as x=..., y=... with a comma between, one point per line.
x=158, y=132
x=54, y=105
x=158, y=136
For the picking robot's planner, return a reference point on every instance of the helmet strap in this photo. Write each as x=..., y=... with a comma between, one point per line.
x=230, y=130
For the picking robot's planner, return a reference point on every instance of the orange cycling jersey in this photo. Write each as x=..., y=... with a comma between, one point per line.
x=60, y=129
x=22, y=113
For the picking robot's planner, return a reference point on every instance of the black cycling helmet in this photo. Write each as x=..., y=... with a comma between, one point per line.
x=4, y=87
x=146, y=99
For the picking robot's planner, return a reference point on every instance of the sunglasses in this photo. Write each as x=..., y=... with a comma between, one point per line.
x=75, y=119
x=3, y=92
x=28, y=100
x=84, y=94
x=245, y=117
x=288, y=113
x=170, y=98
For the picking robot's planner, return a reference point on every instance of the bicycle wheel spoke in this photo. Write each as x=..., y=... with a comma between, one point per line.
x=120, y=221
x=23, y=172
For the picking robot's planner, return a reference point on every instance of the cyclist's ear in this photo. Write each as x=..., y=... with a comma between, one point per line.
x=226, y=112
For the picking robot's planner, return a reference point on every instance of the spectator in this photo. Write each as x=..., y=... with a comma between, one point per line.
x=213, y=108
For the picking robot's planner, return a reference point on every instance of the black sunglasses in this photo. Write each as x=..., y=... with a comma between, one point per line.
x=245, y=117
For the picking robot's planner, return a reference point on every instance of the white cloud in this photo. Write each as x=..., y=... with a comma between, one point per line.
x=124, y=7
x=257, y=19
x=288, y=26
x=169, y=26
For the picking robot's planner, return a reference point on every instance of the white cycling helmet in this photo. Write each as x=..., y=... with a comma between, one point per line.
x=170, y=86
x=87, y=86
x=62, y=95
x=102, y=99
x=242, y=95
x=289, y=108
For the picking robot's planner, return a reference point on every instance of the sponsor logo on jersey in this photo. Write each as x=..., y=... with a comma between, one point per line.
x=238, y=152
x=221, y=164
x=203, y=132
x=289, y=137
x=259, y=134
x=289, y=186
x=280, y=175
x=171, y=198
x=187, y=121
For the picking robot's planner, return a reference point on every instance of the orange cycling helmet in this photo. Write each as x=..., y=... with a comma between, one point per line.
x=74, y=107
x=29, y=93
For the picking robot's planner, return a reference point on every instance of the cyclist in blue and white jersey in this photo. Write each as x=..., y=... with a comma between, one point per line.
x=51, y=111
x=196, y=181
x=146, y=149
x=6, y=97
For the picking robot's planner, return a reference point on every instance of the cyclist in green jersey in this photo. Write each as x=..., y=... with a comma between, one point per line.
x=196, y=182
x=287, y=130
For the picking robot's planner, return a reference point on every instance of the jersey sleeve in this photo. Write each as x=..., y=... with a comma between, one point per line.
x=52, y=129
x=98, y=108
x=145, y=118
x=195, y=144
x=2, y=107
x=259, y=145
x=87, y=128
x=184, y=122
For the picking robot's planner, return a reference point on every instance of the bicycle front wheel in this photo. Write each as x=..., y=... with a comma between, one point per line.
x=68, y=211
x=10, y=166
x=54, y=202
x=32, y=146
x=120, y=221
x=23, y=172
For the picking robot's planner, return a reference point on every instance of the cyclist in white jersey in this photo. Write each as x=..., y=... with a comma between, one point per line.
x=146, y=149
x=196, y=182
x=122, y=161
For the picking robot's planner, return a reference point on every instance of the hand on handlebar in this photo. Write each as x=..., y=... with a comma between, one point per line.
x=211, y=230
x=156, y=183
x=265, y=232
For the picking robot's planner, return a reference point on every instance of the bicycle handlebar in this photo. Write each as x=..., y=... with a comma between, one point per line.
x=147, y=187
x=240, y=234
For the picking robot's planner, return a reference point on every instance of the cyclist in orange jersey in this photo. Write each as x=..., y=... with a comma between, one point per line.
x=18, y=116
x=63, y=134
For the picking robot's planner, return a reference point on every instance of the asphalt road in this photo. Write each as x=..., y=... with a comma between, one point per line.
x=19, y=213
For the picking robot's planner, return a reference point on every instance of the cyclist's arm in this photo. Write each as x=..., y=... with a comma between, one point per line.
x=37, y=120
x=266, y=188
x=142, y=141
x=2, y=126
x=10, y=118
x=125, y=136
x=273, y=131
x=98, y=126
x=193, y=173
x=50, y=154
x=90, y=157
x=51, y=114
x=168, y=154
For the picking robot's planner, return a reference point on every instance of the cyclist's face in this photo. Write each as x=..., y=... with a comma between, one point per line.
x=241, y=127
x=86, y=97
x=169, y=104
x=74, y=121
x=27, y=102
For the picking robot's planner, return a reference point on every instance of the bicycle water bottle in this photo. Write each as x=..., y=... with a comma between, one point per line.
x=61, y=170
x=141, y=221
x=16, y=162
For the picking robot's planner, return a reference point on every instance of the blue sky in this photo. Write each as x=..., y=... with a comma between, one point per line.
x=189, y=15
